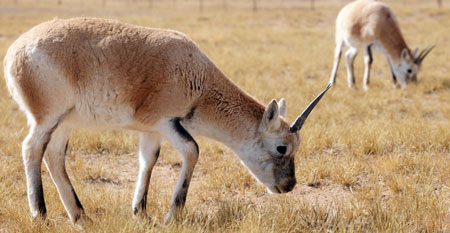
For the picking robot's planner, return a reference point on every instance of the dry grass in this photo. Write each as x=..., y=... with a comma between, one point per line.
x=375, y=161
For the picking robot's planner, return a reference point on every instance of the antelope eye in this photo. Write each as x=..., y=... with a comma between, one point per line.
x=409, y=71
x=281, y=149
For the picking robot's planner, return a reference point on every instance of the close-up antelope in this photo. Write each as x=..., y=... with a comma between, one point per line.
x=104, y=74
x=367, y=24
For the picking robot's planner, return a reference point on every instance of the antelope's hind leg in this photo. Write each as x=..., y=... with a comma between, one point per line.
x=337, y=59
x=350, y=55
x=55, y=161
x=33, y=149
x=149, y=148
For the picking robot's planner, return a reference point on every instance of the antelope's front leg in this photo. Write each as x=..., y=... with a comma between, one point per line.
x=368, y=59
x=188, y=148
x=394, y=78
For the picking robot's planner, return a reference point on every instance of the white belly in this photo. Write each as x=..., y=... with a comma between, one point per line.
x=101, y=117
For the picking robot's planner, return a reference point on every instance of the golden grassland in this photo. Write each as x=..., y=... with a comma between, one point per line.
x=375, y=161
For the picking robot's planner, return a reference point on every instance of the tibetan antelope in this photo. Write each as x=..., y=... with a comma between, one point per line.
x=97, y=73
x=371, y=24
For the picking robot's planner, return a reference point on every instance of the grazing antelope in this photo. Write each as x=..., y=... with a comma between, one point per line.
x=371, y=24
x=96, y=73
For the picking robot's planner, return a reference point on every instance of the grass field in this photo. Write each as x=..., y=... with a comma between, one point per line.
x=375, y=161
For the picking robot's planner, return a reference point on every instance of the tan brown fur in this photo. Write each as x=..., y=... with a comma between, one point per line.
x=369, y=24
x=147, y=68
x=371, y=20
x=98, y=73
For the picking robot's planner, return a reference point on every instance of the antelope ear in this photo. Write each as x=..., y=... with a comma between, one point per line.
x=416, y=51
x=271, y=117
x=282, y=107
x=405, y=55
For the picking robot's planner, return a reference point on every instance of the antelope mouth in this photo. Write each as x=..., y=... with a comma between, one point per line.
x=275, y=190
x=278, y=189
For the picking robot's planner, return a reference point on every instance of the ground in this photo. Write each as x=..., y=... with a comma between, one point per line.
x=369, y=161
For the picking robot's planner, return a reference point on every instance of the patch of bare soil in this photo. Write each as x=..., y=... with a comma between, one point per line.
x=124, y=170
x=325, y=195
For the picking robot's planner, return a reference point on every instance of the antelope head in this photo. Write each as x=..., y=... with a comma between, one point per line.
x=410, y=64
x=270, y=154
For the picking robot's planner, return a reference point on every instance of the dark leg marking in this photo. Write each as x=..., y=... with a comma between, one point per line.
x=67, y=147
x=40, y=200
x=181, y=199
x=39, y=190
x=77, y=201
x=369, y=52
x=44, y=147
x=182, y=131
x=394, y=78
x=142, y=205
x=157, y=153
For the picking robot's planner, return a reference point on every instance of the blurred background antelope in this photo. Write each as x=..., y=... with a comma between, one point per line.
x=368, y=25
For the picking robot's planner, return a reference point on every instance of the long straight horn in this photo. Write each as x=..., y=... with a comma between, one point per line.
x=424, y=53
x=297, y=125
